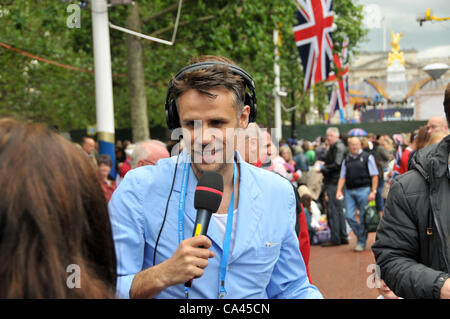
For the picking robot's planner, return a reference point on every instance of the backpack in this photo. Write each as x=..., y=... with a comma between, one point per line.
x=371, y=217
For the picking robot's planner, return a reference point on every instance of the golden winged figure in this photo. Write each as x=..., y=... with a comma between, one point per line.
x=395, y=54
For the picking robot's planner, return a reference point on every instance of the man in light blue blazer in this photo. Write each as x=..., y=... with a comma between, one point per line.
x=251, y=249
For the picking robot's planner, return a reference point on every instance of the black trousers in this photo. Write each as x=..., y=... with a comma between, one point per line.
x=336, y=215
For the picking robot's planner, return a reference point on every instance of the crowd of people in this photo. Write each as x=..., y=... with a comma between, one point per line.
x=320, y=168
x=276, y=202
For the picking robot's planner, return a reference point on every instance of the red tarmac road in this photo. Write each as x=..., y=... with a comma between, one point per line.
x=341, y=273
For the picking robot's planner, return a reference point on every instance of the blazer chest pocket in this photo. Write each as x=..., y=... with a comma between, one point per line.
x=269, y=250
x=265, y=259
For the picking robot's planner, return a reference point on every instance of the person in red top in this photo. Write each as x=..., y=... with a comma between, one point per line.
x=406, y=155
x=126, y=165
x=104, y=167
x=255, y=147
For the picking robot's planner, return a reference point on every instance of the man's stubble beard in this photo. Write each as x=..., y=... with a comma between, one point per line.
x=215, y=166
x=219, y=169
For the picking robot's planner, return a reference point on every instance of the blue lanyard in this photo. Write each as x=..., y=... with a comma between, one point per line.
x=227, y=239
x=181, y=203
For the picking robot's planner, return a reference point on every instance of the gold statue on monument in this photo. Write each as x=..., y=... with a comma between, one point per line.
x=395, y=54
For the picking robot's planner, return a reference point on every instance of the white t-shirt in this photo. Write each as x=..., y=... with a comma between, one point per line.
x=221, y=222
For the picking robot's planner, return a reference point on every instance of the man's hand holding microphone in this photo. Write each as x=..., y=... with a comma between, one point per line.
x=191, y=257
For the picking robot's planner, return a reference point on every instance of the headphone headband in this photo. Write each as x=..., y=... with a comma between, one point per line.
x=172, y=117
x=208, y=64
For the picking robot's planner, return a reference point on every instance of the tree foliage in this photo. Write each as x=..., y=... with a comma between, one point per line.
x=239, y=30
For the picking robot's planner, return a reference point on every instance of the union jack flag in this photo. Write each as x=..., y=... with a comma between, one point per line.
x=313, y=38
x=339, y=96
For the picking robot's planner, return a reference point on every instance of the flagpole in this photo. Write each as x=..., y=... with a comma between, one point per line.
x=341, y=113
x=276, y=67
x=311, y=99
x=103, y=81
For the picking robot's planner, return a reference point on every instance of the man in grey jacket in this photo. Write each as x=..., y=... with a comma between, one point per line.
x=331, y=171
x=412, y=244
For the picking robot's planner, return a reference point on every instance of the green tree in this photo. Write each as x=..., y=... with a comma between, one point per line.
x=240, y=30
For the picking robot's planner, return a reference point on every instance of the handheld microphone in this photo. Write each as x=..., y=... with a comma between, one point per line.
x=207, y=198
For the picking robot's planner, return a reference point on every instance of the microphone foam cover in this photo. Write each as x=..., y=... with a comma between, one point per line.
x=208, y=193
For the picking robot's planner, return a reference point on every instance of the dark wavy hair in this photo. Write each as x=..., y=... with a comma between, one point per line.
x=53, y=214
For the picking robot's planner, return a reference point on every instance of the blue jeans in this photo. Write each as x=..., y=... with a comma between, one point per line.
x=357, y=197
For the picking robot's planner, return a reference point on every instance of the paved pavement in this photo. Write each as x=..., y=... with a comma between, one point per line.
x=341, y=273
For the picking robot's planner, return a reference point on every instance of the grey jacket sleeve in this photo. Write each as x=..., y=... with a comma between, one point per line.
x=397, y=250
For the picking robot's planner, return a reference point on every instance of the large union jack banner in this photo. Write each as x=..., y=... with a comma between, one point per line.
x=339, y=96
x=313, y=38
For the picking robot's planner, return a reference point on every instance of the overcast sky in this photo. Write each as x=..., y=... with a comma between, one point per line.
x=400, y=16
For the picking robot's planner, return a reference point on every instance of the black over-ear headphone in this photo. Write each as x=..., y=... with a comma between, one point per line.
x=172, y=117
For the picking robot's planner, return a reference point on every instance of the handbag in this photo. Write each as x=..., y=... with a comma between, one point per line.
x=371, y=217
x=321, y=236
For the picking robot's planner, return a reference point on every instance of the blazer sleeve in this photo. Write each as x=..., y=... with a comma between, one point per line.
x=125, y=210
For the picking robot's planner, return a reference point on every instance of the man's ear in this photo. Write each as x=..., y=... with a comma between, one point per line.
x=243, y=120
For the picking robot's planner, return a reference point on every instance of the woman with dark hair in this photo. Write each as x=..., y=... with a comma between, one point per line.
x=55, y=234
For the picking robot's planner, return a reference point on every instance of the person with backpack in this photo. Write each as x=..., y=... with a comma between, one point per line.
x=359, y=175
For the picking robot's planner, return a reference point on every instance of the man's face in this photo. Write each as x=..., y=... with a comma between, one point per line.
x=248, y=145
x=354, y=145
x=215, y=121
x=285, y=154
x=149, y=160
x=156, y=152
x=435, y=125
x=332, y=138
x=89, y=145
x=267, y=144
